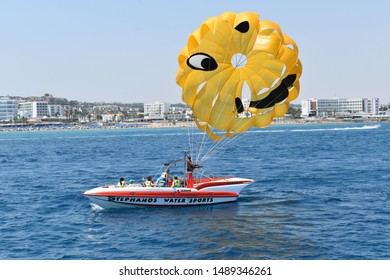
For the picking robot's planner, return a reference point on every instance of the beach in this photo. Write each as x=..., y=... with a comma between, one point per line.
x=45, y=126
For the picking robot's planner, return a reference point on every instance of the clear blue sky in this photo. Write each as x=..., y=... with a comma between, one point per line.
x=117, y=50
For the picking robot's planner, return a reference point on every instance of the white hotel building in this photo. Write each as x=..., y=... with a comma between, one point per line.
x=340, y=107
x=33, y=109
x=55, y=110
x=156, y=110
x=8, y=109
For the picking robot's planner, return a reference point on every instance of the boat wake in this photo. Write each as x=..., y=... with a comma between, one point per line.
x=365, y=127
x=96, y=208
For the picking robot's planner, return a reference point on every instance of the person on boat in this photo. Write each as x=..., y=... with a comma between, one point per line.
x=190, y=168
x=148, y=183
x=190, y=165
x=121, y=182
x=176, y=182
x=162, y=181
x=169, y=180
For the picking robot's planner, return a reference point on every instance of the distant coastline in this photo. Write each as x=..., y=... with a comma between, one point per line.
x=89, y=126
x=154, y=125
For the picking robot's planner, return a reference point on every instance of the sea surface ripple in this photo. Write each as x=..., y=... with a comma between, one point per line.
x=321, y=192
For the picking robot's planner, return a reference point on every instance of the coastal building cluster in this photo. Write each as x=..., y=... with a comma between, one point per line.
x=341, y=107
x=47, y=108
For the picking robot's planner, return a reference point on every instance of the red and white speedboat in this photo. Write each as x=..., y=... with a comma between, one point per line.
x=203, y=192
x=199, y=191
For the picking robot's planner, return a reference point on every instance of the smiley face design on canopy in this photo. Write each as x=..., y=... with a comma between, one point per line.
x=228, y=52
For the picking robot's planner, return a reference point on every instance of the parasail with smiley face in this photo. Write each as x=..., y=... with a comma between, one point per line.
x=230, y=53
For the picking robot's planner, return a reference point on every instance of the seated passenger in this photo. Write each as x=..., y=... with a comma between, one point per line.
x=176, y=182
x=148, y=183
x=121, y=182
x=162, y=180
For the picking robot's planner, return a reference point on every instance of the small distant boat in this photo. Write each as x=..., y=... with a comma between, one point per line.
x=202, y=191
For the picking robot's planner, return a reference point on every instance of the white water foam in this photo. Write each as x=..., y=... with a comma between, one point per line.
x=365, y=127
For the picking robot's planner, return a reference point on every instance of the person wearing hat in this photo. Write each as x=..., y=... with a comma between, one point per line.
x=162, y=181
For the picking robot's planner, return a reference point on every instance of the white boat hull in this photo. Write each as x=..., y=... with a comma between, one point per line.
x=124, y=202
x=204, y=193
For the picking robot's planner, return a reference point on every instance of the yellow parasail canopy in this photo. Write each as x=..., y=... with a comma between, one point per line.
x=227, y=54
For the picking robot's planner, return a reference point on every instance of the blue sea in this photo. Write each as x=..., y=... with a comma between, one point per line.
x=322, y=192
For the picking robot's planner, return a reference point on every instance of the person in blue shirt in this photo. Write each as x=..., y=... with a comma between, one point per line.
x=162, y=181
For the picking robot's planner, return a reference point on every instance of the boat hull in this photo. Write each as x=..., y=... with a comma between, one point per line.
x=205, y=193
x=126, y=201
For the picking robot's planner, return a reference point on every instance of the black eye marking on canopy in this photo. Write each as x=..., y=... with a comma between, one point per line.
x=243, y=27
x=202, y=61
